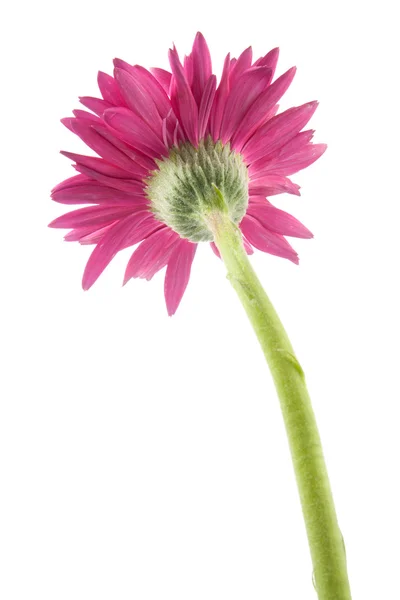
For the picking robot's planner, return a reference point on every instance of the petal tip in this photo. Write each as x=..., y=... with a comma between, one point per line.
x=171, y=310
x=67, y=122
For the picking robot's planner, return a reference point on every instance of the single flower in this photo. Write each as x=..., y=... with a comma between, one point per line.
x=174, y=145
x=182, y=161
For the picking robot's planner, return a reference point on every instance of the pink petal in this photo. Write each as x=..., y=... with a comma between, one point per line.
x=215, y=249
x=150, y=84
x=188, y=68
x=178, y=273
x=242, y=95
x=163, y=77
x=221, y=95
x=140, y=162
x=67, y=122
x=87, y=235
x=91, y=192
x=94, y=215
x=96, y=105
x=152, y=254
x=165, y=134
x=256, y=115
x=277, y=220
x=297, y=161
x=239, y=66
x=70, y=182
x=266, y=240
x=84, y=115
x=97, y=164
x=269, y=60
x=172, y=132
x=182, y=99
x=133, y=130
x=154, y=89
x=131, y=186
x=206, y=105
x=277, y=131
x=202, y=69
x=109, y=89
x=298, y=143
x=138, y=100
x=113, y=241
x=265, y=165
x=270, y=185
x=144, y=229
x=122, y=64
x=93, y=237
x=93, y=137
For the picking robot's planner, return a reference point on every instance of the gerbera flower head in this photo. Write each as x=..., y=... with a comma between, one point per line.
x=175, y=146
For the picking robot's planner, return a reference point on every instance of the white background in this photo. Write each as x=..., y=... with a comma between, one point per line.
x=144, y=457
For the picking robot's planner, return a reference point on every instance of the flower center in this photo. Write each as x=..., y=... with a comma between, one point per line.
x=193, y=182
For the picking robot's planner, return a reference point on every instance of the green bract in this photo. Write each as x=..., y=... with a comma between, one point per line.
x=193, y=182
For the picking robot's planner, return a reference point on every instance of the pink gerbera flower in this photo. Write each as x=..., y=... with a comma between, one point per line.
x=170, y=141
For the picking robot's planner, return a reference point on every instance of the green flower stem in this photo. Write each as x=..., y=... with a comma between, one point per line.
x=324, y=536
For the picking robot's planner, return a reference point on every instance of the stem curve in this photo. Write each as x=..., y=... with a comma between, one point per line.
x=324, y=536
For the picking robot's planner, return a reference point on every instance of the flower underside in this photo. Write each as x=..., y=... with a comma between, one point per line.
x=173, y=147
x=193, y=182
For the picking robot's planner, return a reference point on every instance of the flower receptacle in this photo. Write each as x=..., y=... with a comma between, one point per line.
x=193, y=182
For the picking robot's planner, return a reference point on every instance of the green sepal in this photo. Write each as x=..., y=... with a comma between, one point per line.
x=192, y=182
